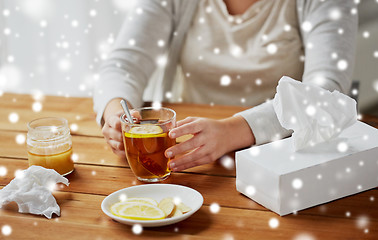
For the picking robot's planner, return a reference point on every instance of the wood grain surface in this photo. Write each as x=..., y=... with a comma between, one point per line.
x=98, y=172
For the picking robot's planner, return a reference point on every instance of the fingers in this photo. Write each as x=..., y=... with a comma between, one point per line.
x=117, y=148
x=187, y=126
x=193, y=143
x=135, y=114
x=115, y=142
x=112, y=132
x=192, y=159
x=114, y=121
x=116, y=145
x=185, y=121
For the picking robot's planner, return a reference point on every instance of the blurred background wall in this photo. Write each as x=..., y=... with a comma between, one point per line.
x=366, y=67
x=55, y=47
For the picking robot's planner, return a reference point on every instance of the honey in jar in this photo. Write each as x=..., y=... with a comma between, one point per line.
x=49, y=144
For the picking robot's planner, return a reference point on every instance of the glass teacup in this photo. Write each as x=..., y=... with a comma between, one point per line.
x=146, y=140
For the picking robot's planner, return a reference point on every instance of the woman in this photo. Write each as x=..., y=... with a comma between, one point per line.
x=229, y=52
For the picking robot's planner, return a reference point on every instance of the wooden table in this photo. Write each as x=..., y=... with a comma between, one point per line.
x=98, y=172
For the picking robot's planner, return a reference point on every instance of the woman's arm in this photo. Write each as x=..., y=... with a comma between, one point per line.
x=258, y=125
x=329, y=44
x=329, y=31
x=132, y=61
x=144, y=37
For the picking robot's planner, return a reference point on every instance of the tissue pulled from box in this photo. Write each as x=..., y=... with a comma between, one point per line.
x=313, y=113
x=31, y=190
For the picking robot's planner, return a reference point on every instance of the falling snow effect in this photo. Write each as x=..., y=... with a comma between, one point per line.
x=93, y=13
x=227, y=162
x=13, y=117
x=366, y=34
x=37, y=106
x=137, y=229
x=258, y=82
x=250, y=190
x=177, y=200
x=228, y=236
x=304, y=236
x=162, y=61
x=287, y=28
x=375, y=85
x=362, y=221
x=6, y=230
x=3, y=171
x=156, y=105
x=123, y=197
x=310, y=110
x=75, y=157
x=20, y=139
x=236, y=51
x=342, y=65
x=335, y=14
x=272, y=48
x=214, y=208
x=274, y=223
x=74, y=127
x=161, y=43
x=168, y=95
x=342, y=147
x=306, y=26
x=297, y=183
x=225, y=80
x=254, y=151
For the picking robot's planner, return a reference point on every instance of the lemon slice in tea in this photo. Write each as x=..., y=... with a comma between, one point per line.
x=141, y=211
x=145, y=131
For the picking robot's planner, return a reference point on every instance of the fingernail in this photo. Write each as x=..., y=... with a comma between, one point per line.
x=172, y=165
x=169, y=154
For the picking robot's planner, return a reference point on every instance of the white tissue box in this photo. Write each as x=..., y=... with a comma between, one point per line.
x=285, y=181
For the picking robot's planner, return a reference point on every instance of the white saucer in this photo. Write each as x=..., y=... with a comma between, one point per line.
x=188, y=196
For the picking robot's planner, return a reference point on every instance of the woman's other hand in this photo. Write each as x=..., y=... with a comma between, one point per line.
x=211, y=140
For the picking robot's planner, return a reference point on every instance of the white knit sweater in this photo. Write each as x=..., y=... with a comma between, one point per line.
x=132, y=62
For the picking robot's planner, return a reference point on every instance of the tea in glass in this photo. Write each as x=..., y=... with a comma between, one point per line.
x=146, y=140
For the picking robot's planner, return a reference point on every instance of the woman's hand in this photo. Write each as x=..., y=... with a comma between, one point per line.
x=112, y=132
x=211, y=140
x=112, y=129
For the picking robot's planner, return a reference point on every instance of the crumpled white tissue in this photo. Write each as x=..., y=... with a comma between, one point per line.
x=313, y=113
x=31, y=190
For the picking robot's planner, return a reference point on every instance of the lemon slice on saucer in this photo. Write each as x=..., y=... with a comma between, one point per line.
x=115, y=208
x=142, y=200
x=141, y=211
x=145, y=131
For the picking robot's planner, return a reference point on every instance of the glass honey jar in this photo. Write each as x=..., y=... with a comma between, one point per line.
x=49, y=144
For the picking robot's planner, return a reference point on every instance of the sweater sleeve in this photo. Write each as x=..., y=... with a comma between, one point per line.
x=328, y=32
x=143, y=38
